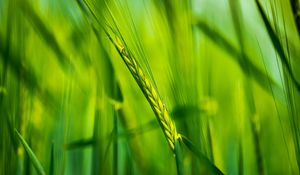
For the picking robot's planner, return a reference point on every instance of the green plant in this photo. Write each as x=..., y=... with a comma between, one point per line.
x=149, y=87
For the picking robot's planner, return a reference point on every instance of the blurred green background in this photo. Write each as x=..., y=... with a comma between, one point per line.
x=228, y=72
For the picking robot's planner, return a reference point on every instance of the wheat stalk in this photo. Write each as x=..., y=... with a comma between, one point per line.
x=149, y=91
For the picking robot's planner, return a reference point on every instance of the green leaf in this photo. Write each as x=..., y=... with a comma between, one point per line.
x=178, y=157
x=47, y=35
x=51, y=168
x=36, y=163
x=203, y=159
x=277, y=45
x=265, y=81
x=78, y=144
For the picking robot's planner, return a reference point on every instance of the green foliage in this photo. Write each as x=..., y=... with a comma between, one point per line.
x=149, y=87
x=32, y=157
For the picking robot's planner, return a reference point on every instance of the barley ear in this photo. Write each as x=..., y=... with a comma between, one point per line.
x=159, y=108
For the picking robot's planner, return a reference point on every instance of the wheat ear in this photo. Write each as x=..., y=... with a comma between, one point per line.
x=150, y=93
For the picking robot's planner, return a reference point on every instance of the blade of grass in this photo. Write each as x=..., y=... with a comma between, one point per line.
x=11, y=133
x=277, y=45
x=248, y=87
x=47, y=35
x=51, y=167
x=285, y=62
x=96, y=166
x=13, y=60
x=29, y=79
x=27, y=161
x=178, y=157
x=259, y=76
x=129, y=164
x=241, y=159
x=115, y=144
x=210, y=143
x=295, y=4
x=78, y=144
x=259, y=157
x=135, y=145
x=279, y=115
x=204, y=160
x=36, y=163
x=12, y=166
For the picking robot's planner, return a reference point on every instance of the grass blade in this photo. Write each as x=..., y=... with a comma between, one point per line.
x=265, y=81
x=295, y=4
x=79, y=144
x=277, y=45
x=37, y=165
x=241, y=159
x=178, y=157
x=285, y=61
x=48, y=36
x=51, y=167
x=259, y=159
x=29, y=78
x=115, y=143
x=248, y=87
x=196, y=151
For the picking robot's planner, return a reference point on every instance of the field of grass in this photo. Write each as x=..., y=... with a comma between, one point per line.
x=149, y=87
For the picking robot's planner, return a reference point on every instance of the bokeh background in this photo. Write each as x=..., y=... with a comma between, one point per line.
x=228, y=73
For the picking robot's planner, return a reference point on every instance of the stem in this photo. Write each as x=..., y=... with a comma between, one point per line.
x=178, y=157
x=115, y=145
